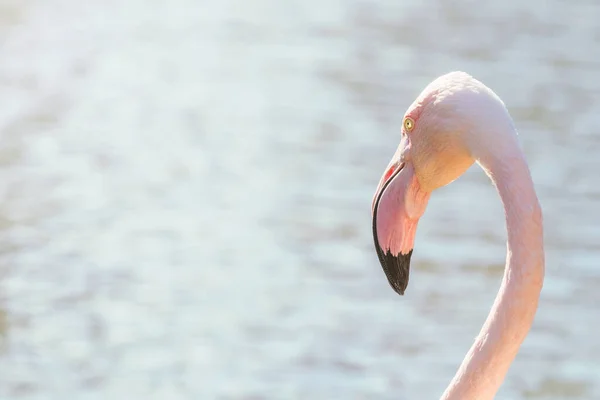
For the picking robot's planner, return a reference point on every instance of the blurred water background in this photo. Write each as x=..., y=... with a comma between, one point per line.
x=185, y=193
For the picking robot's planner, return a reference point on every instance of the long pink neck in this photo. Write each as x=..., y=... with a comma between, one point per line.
x=487, y=362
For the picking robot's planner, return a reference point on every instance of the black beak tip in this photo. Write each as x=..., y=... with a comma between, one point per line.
x=397, y=270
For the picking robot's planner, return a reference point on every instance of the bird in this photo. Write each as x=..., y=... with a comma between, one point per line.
x=455, y=122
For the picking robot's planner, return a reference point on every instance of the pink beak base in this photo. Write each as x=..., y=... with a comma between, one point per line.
x=397, y=207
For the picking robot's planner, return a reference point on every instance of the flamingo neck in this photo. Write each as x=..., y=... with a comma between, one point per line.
x=486, y=364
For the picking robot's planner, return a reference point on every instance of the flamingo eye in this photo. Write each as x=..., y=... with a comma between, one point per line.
x=409, y=124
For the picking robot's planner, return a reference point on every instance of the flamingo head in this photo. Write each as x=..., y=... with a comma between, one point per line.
x=440, y=131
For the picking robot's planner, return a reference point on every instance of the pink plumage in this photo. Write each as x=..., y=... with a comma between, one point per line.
x=453, y=123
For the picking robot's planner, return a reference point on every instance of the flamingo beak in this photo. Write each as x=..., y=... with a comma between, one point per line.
x=397, y=206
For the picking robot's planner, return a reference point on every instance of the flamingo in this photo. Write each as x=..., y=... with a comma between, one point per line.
x=455, y=122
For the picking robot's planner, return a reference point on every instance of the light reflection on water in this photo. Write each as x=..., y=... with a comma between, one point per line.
x=187, y=187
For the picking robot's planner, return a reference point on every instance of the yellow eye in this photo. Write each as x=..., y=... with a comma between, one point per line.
x=409, y=124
